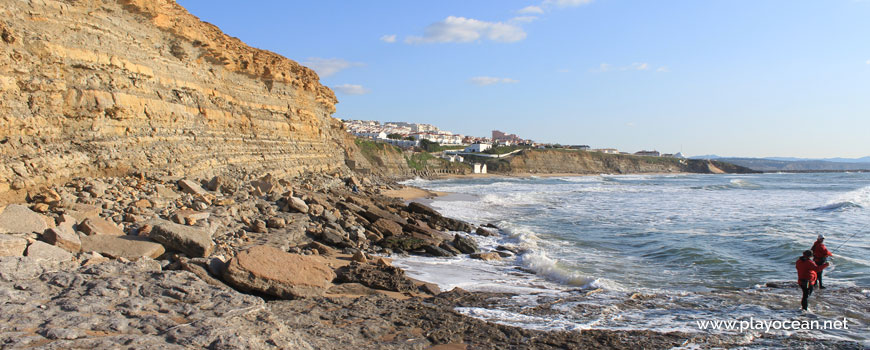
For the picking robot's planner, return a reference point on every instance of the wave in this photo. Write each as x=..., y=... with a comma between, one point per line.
x=734, y=184
x=839, y=206
x=856, y=199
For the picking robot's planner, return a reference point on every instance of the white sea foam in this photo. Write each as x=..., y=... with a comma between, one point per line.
x=859, y=198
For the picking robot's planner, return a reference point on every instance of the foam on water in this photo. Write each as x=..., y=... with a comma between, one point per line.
x=851, y=200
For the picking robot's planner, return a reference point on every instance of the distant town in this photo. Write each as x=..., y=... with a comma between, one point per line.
x=413, y=135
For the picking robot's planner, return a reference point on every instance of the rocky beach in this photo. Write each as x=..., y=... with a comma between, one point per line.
x=164, y=185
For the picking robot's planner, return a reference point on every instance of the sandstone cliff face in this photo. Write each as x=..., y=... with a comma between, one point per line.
x=103, y=87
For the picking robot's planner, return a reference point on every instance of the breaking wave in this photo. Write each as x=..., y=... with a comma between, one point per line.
x=857, y=199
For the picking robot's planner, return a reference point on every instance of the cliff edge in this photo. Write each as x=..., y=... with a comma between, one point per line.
x=96, y=88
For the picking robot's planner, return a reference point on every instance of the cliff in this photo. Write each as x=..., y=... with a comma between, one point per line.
x=95, y=88
x=580, y=162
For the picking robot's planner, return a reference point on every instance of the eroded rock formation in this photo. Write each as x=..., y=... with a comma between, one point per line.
x=92, y=88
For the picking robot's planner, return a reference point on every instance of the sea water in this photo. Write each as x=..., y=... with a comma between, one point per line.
x=660, y=252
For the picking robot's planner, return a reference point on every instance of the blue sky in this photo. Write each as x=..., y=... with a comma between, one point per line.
x=728, y=77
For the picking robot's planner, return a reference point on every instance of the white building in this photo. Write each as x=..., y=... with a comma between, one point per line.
x=478, y=147
x=479, y=168
x=454, y=158
x=402, y=143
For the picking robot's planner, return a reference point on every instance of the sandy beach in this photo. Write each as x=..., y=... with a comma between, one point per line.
x=408, y=193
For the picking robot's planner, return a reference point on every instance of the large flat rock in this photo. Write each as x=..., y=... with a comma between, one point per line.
x=129, y=247
x=12, y=246
x=98, y=226
x=192, y=241
x=42, y=250
x=271, y=271
x=17, y=218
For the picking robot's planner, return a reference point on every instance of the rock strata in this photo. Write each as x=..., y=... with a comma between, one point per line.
x=128, y=247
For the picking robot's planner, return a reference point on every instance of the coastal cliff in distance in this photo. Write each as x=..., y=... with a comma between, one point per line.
x=583, y=162
x=108, y=88
x=392, y=162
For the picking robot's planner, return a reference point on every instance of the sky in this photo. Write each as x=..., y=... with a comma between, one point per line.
x=750, y=78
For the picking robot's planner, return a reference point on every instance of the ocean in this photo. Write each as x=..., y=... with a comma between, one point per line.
x=660, y=252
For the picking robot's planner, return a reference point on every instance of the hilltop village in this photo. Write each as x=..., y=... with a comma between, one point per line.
x=456, y=147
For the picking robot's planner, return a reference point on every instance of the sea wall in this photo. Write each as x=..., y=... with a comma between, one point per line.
x=93, y=88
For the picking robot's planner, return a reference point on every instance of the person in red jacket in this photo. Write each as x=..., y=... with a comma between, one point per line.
x=807, y=273
x=820, y=255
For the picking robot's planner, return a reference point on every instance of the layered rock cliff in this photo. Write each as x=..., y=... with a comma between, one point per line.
x=579, y=162
x=107, y=87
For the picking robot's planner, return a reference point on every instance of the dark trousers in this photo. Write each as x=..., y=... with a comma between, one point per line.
x=807, y=288
x=821, y=262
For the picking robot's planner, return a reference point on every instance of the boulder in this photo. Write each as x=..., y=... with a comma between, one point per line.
x=166, y=192
x=97, y=226
x=42, y=250
x=430, y=288
x=296, y=204
x=192, y=187
x=259, y=226
x=216, y=183
x=81, y=211
x=335, y=238
x=189, y=217
x=142, y=204
x=192, y=241
x=486, y=232
x=403, y=243
x=387, y=227
x=486, y=256
x=276, y=223
x=272, y=271
x=421, y=208
x=63, y=237
x=436, y=251
x=12, y=246
x=374, y=213
x=321, y=248
x=451, y=224
x=449, y=247
x=427, y=233
x=465, y=245
x=351, y=207
x=359, y=257
x=128, y=247
x=389, y=278
x=20, y=219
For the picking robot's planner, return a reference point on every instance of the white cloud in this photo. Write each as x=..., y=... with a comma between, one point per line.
x=483, y=81
x=868, y=62
x=389, y=38
x=663, y=69
x=524, y=19
x=630, y=124
x=606, y=67
x=531, y=10
x=464, y=30
x=566, y=3
x=640, y=66
x=326, y=67
x=351, y=89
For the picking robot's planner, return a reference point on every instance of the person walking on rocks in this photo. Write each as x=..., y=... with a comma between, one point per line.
x=820, y=255
x=808, y=272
